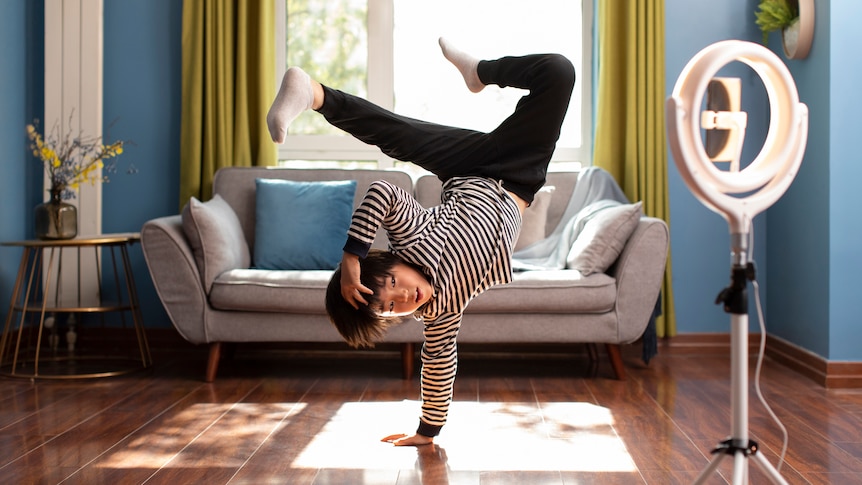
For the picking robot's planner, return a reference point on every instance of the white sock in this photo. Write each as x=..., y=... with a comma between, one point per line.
x=465, y=63
x=294, y=96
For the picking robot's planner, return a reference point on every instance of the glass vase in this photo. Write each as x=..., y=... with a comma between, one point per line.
x=56, y=219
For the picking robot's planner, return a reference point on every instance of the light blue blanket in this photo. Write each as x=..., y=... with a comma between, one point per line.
x=594, y=185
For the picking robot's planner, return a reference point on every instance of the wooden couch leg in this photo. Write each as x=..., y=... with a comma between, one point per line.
x=212, y=363
x=407, y=351
x=593, y=353
x=616, y=361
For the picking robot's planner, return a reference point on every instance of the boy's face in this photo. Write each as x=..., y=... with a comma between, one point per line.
x=404, y=292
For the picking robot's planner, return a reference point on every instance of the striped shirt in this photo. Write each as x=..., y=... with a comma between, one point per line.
x=464, y=246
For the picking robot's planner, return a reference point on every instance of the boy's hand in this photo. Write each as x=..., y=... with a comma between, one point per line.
x=404, y=440
x=351, y=286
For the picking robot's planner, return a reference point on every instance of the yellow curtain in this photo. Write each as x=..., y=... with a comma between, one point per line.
x=630, y=136
x=228, y=83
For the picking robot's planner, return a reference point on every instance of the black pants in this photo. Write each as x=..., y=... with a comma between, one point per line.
x=517, y=152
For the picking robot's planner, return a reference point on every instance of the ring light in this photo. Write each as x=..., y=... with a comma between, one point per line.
x=772, y=171
x=738, y=194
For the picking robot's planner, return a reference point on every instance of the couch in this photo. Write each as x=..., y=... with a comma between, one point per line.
x=206, y=276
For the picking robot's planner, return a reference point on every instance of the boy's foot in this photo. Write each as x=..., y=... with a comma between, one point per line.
x=294, y=96
x=465, y=63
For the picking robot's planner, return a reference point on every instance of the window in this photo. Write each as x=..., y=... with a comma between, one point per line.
x=386, y=51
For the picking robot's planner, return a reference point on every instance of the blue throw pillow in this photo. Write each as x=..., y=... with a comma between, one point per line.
x=301, y=225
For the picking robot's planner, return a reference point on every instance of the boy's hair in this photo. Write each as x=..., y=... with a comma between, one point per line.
x=362, y=327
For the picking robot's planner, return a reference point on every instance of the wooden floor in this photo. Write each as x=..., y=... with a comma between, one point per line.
x=316, y=418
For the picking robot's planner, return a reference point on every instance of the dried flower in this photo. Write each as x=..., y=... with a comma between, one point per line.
x=70, y=161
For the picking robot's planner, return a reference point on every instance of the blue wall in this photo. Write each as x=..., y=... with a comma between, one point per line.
x=816, y=228
x=21, y=88
x=845, y=105
x=799, y=225
x=142, y=76
x=807, y=260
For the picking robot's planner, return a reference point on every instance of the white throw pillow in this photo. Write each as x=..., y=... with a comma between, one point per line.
x=216, y=238
x=605, y=232
x=535, y=219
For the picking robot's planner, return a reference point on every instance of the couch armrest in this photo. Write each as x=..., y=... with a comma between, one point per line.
x=639, y=272
x=175, y=276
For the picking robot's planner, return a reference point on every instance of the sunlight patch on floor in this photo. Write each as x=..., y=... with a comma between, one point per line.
x=479, y=436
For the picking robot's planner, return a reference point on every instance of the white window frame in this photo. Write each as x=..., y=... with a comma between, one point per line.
x=381, y=87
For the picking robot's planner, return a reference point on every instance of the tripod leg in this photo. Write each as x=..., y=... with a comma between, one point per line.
x=740, y=467
x=767, y=468
x=709, y=469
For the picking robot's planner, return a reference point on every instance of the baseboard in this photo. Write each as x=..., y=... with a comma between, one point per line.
x=829, y=374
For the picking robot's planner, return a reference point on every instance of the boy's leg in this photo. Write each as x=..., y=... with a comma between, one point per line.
x=442, y=150
x=295, y=95
x=467, y=65
x=518, y=151
x=527, y=138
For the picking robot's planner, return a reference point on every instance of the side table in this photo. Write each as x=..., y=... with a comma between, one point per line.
x=22, y=346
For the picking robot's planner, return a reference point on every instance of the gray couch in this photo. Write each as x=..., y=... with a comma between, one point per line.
x=227, y=302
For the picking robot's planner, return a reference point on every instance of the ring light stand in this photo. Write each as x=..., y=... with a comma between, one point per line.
x=762, y=182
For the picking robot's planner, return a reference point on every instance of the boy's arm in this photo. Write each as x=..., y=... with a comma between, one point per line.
x=385, y=205
x=439, y=365
x=439, y=362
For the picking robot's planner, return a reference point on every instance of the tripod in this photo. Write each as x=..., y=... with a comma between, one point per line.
x=739, y=446
x=738, y=194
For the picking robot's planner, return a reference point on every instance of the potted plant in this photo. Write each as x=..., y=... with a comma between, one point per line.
x=786, y=16
x=775, y=15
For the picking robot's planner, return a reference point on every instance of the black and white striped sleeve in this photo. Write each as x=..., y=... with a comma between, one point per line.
x=384, y=205
x=439, y=367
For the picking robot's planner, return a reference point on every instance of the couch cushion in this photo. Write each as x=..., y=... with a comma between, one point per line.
x=607, y=227
x=271, y=291
x=551, y=291
x=301, y=225
x=215, y=236
x=565, y=291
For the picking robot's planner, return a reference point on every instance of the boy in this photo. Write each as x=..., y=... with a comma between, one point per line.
x=443, y=257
